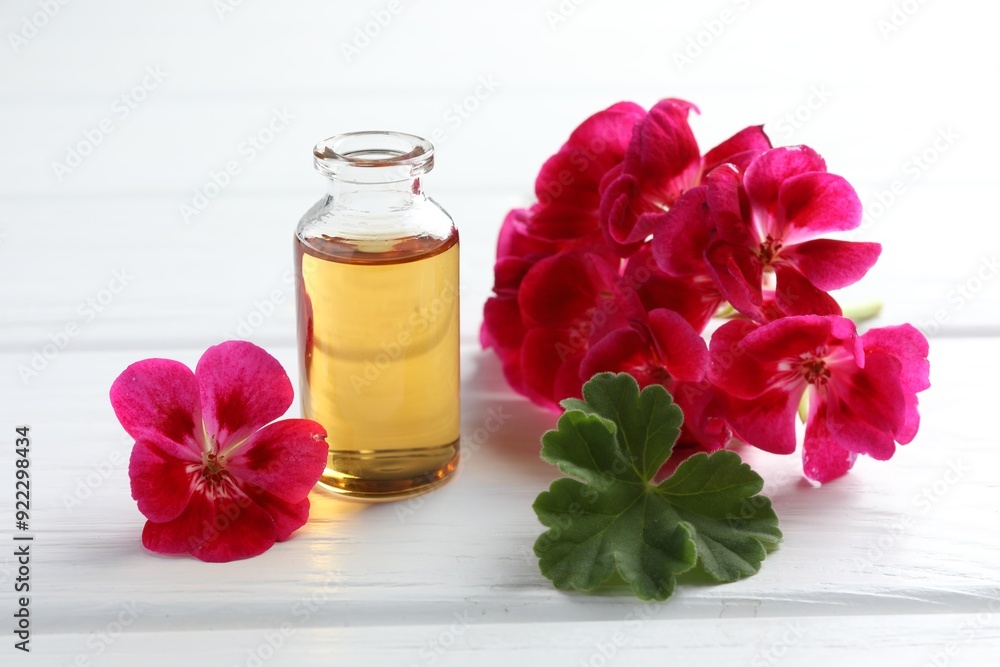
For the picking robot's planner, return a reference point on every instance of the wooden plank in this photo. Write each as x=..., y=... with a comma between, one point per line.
x=909, y=536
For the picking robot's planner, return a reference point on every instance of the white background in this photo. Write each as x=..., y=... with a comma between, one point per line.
x=869, y=84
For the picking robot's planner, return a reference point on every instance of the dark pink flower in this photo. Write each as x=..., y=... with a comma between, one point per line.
x=662, y=162
x=505, y=328
x=567, y=186
x=761, y=255
x=566, y=303
x=862, y=389
x=213, y=477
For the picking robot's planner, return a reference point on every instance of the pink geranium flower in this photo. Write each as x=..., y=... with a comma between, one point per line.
x=761, y=255
x=662, y=162
x=568, y=183
x=862, y=389
x=206, y=472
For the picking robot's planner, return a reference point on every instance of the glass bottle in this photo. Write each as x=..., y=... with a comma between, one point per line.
x=376, y=265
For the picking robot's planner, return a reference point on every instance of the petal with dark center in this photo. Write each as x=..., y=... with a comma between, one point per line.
x=287, y=516
x=160, y=396
x=285, y=458
x=161, y=483
x=814, y=203
x=242, y=388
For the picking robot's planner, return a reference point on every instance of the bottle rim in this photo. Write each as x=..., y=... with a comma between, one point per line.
x=373, y=156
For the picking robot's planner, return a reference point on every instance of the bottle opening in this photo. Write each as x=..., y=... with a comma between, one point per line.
x=374, y=156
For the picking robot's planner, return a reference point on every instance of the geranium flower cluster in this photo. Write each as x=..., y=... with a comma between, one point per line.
x=638, y=240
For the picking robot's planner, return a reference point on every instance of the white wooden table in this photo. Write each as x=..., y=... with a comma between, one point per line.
x=895, y=564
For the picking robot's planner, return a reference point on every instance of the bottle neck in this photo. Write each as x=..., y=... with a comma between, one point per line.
x=375, y=198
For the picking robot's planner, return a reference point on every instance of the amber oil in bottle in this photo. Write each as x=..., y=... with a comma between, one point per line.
x=378, y=319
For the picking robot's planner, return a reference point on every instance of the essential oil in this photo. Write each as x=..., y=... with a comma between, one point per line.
x=378, y=329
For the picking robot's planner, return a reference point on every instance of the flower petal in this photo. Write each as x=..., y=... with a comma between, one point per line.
x=623, y=351
x=866, y=406
x=767, y=421
x=160, y=396
x=745, y=144
x=795, y=295
x=181, y=535
x=738, y=273
x=830, y=264
x=823, y=460
x=906, y=344
x=766, y=174
x=285, y=458
x=695, y=297
x=729, y=208
x=242, y=388
x=810, y=204
x=567, y=184
x=853, y=433
x=662, y=162
x=544, y=353
x=560, y=291
x=287, y=516
x=502, y=327
x=161, y=483
x=730, y=367
x=682, y=234
x=220, y=524
x=681, y=348
x=704, y=426
x=909, y=346
x=514, y=240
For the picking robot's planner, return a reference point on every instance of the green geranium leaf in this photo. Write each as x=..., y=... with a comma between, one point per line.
x=615, y=521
